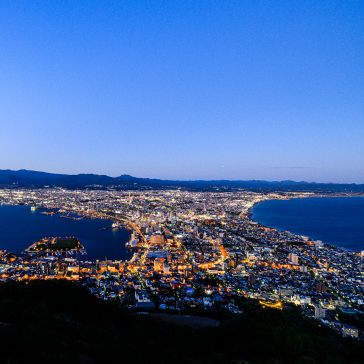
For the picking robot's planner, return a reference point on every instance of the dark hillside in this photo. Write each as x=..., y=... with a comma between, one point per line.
x=60, y=322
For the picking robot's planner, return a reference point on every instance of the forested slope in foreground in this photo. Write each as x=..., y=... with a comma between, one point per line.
x=61, y=322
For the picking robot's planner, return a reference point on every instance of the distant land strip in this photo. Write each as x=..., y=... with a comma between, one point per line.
x=34, y=179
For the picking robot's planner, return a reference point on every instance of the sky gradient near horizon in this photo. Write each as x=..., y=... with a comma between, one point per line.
x=269, y=90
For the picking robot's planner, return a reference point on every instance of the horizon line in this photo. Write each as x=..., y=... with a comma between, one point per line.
x=184, y=180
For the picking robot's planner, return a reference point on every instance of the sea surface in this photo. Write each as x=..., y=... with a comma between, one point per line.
x=337, y=221
x=20, y=227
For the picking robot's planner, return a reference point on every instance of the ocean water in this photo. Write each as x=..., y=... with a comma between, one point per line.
x=337, y=221
x=20, y=227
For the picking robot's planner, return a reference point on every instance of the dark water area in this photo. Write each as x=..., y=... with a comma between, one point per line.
x=20, y=227
x=337, y=221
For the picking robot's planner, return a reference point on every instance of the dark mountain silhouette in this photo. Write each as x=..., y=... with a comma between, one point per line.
x=57, y=321
x=25, y=178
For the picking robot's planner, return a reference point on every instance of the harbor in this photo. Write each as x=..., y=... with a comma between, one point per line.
x=26, y=226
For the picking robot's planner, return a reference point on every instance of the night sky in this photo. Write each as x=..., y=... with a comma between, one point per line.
x=243, y=90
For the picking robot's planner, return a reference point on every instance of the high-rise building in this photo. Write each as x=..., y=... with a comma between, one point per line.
x=252, y=279
x=165, y=268
x=320, y=312
x=320, y=288
x=293, y=258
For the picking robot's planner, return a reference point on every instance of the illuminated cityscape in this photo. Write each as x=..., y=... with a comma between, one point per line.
x=192, y=250
x=182, y=182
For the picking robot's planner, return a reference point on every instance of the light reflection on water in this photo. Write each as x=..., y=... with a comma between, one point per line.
x=20, y=227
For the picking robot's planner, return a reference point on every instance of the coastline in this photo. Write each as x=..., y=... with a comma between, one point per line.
x=250, y=217
x=93, y=232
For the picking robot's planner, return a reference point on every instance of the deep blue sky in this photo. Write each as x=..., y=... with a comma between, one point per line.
x=184, y=89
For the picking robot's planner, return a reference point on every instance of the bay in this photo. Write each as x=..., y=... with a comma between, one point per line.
x=337, y=221
x=20, y=227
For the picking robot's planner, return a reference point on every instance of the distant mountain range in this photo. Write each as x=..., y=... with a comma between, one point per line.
x=25, y=178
